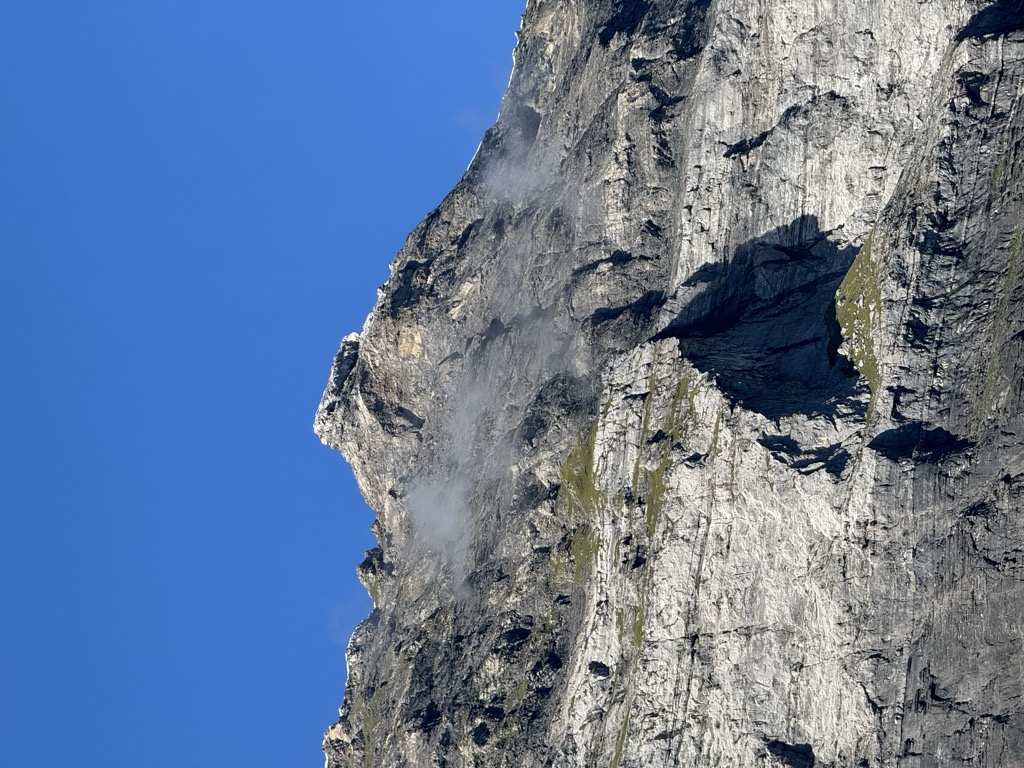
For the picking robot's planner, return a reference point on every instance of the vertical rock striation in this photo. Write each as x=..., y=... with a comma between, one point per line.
x=692, y=415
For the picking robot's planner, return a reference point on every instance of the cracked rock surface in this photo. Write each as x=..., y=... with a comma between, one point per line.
x=692, y=416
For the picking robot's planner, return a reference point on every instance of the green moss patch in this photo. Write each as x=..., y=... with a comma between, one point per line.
x=579, y=494
x=858, y=311
x=584, y=547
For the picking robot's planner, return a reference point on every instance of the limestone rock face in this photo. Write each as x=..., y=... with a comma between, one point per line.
x=693, y=415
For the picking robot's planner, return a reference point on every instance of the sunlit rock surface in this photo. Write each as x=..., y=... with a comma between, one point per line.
x=692, y=415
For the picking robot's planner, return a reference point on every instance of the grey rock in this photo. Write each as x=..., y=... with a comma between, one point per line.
x=692, y=416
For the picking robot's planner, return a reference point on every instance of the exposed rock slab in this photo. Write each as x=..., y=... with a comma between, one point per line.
x=692, y=416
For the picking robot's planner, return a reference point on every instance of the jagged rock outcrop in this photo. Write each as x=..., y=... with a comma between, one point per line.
x=692, y=415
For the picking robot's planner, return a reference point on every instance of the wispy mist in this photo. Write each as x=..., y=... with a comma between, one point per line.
x=480, y=435
x=526, y=343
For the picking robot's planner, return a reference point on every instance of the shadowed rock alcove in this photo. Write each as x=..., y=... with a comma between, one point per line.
x=764, y=324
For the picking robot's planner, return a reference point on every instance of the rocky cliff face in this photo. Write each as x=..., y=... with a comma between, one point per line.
x=693, y=415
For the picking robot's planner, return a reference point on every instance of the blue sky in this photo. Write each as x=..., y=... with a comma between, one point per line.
x=198, y=199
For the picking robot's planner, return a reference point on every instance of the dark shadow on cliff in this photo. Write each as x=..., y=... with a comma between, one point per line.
x=625, y=21
x=764, y=324
x=793, y=755
x=1000, y=18
x=919, y=441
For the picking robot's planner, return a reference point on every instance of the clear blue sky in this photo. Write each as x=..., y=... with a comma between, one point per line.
x=197, y=201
